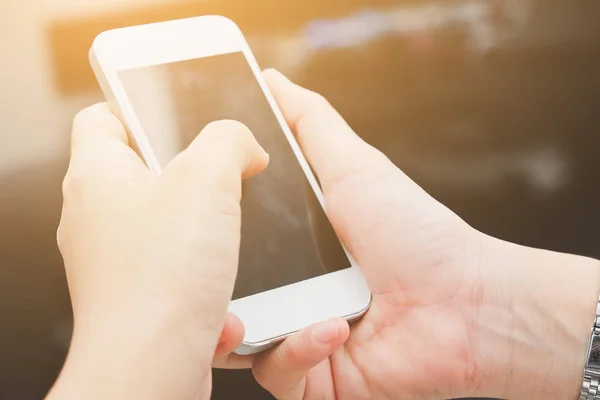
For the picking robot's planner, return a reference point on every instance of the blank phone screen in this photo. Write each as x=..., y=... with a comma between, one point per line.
x=286, y=237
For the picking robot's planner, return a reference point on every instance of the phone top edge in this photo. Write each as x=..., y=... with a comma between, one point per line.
x=166, y=42
x=204, y=19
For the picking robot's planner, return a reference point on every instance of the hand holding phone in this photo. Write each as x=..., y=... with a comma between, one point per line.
x=433, y=331
x=167, y=87
x=149, y=287
x=455, y=313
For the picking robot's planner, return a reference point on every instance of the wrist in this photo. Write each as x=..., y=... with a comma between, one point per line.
x=535, y=322
x=128, y=358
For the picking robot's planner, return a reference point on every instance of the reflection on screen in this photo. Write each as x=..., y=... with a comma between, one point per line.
x=286, y=237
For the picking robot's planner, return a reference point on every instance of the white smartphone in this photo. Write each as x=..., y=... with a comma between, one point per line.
x=167, y=81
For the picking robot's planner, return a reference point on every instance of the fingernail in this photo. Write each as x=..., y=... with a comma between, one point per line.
x=327, y=332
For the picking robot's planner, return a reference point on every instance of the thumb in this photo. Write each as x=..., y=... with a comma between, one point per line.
x=380, y=214
x=218, y=159
x=331, y=146
x=202, y=190
x=100, y=146
x=283, y=371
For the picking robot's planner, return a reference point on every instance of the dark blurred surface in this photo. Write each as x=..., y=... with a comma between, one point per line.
x=492, y=108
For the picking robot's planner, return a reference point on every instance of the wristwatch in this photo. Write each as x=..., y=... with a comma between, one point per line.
x=590, y=389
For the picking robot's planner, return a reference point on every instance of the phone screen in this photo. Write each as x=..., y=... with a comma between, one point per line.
x=286, y=237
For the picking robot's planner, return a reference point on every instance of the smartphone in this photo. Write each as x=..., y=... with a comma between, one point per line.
x=167, y=81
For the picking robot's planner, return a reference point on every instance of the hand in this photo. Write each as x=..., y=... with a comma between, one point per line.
x=454, y=313
x=150, y=260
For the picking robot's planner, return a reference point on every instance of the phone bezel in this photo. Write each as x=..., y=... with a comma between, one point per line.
x=269, y=316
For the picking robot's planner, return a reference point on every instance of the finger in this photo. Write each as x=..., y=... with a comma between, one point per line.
x=222, y=154
x=100, y=147
x=203, y=188
x=231, y=338
x=357, y=180
x=283, y=371
x=97, y=124
x=330, y=145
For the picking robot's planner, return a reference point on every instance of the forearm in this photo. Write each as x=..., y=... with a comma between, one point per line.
x=135, y=361
x=537, y=322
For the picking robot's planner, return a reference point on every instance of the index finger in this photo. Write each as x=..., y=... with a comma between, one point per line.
x=99, y=139
x=97, y=124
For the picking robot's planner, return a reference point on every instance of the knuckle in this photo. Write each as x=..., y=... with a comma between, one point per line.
x=62, y=239
x=59, y=235
x=115, y=153
x=83, y=117
x=230, y=130
x=316, y=105
x=264, y=376
x=72, y=183
x=319, y=100
x=226, y=125
x=227, y=206
x=291, y=352
x=189, y=166
x=99, y=118
x=316, y=101
x=275, y=364
x=92, y=166
x=83, y=176
x=209, y=177
x=277, y=371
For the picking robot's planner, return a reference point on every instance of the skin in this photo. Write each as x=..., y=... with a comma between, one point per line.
x=150, y=260
x=455, y=313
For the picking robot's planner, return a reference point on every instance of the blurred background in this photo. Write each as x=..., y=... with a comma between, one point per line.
x=491, y=105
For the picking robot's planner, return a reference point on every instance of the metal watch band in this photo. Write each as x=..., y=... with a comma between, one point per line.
x=591, y=381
